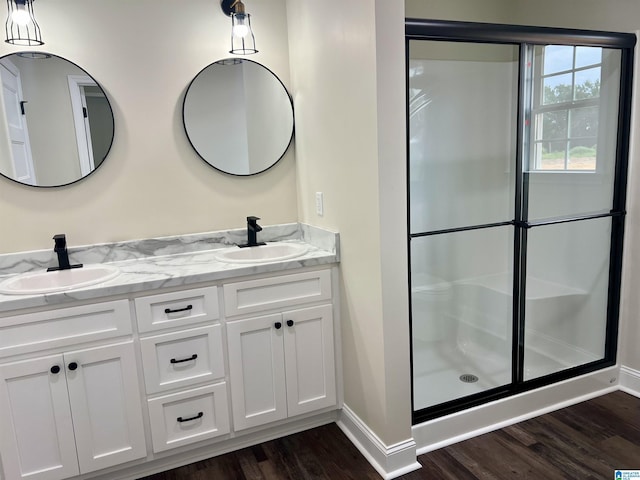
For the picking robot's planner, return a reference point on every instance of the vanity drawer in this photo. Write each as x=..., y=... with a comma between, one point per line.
x=188, y=417
x=32, y=332
x=277, y=292
x=183, y=358
x=177, y=309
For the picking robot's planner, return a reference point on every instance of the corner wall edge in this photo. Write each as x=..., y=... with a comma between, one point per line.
x=630, y=381
x=390, y=461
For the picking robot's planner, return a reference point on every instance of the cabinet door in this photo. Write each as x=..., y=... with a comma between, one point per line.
x=36, y=431
x=309, y=359
x=256, y=370
x=105, y=400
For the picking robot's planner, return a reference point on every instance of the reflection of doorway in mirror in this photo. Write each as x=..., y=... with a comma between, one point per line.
x=77, y=84
x=100, y=118
x=93, y=121
x=15, y=149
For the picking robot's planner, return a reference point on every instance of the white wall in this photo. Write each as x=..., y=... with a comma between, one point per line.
x=391, y=109
x=333, y=79
x=490, y=11
x=348, y=83
x=144, y=55
x=612, y=15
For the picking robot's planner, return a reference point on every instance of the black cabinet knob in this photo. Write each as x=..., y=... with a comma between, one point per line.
x=289, y=323
x=55, y=369
x=73, y=366
x=278, y=325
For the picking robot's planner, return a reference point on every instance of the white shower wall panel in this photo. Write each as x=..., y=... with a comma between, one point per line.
x=457, y=256
x=462, y=146
x=574, y=255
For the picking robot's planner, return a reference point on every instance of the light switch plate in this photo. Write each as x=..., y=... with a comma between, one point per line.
x=319, y=203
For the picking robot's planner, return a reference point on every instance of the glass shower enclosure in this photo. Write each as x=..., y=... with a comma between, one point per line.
x=517, y=153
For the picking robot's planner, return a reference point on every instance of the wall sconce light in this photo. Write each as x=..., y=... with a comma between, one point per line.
x=242, y=40
x=21, y=27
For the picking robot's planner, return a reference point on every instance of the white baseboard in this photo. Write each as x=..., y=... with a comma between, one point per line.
x=390, y=461
x=393, y=461
x=445, y=431
x=630, y=381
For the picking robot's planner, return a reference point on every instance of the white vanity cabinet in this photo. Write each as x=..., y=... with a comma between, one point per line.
x=72, y=412
x=153, y=380
x=280, y=364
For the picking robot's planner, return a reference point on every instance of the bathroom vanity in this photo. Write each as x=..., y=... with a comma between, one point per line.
x=180, y=357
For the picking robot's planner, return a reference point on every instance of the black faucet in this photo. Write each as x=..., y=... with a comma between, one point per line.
x=252, y=230
x=63, y=256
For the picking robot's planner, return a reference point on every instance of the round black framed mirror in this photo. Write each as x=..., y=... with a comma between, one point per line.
x=56, y=122
x=238, y=116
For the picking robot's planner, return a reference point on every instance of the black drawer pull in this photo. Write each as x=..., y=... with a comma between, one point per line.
x=199, y=415
x=289, y=323
x=192, y=357
x=55, y=369
x=278, y=325
x=73, y=366
x=168, y=310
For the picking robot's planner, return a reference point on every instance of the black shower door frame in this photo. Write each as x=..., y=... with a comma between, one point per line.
x=526, y=37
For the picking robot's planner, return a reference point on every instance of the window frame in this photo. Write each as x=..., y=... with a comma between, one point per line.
x=540, y=108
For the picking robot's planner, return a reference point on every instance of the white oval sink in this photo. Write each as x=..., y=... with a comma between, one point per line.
x=60, y=280
x=271, y=252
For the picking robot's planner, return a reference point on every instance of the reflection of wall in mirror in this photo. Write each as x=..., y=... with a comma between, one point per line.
x=51, y=128
x=264, y=105
x=221, y=139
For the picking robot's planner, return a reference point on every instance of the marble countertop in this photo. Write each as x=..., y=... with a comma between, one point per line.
x=151, y=264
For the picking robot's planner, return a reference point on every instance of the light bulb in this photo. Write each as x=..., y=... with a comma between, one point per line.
x=240, y=30
x=240, y=27
x=20, y=16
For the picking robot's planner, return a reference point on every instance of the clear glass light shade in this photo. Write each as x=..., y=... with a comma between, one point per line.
x=242, y=40
x=21, y=27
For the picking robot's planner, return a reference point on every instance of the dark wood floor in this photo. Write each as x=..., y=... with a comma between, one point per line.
x=586, y=441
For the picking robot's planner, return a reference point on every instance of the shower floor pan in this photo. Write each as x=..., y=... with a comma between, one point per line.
x=439, y=371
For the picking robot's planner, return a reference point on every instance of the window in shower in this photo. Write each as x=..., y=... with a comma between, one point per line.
x=517, y=148
x=566, y=109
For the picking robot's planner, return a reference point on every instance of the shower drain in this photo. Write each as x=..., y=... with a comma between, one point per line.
x=468, y=378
